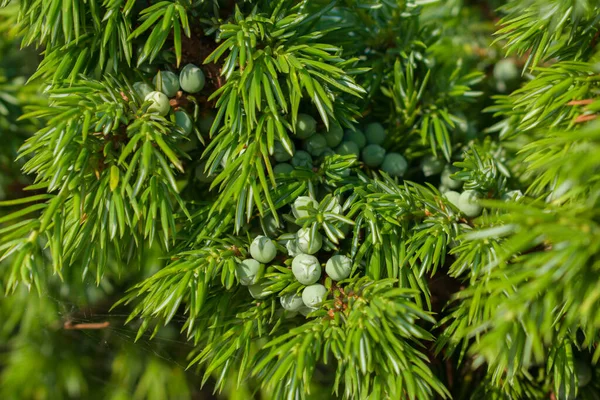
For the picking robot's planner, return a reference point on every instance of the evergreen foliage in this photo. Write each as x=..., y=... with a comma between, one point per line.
x=191, y=208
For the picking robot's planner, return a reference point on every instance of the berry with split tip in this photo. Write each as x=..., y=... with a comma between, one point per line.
x=373, y=155
x=468, y=203
x=452, y=197
x=191, y=78
x=291, y=302
x=302, y=159
x=306, y=269
x=431, y=165
x=142, y=89
x=334, y=135
x=159, y=103
x=301, y=202
x=314, y=295
x=292, y=248
x=394, y=164
x=246, y=271
x=166, y=82
x=306, y=126
x=258, y=291
x=449, y=182
x=263, y=249
x=280, y=154
x=355, y=136
x=375, y=133
x=304, y=242
x=348, y=148
x=338, y=267
x=183, y=120
x=283, y=168
x=315, y=144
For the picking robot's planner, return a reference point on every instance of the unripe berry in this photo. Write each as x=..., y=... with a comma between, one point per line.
x=166, y=82
x=246, y=271
x=327, y=152
x=270, y=226
x=314, y=295
x=302, y=159
x=183, y=120
x=142, y=89
x=506, y=70
x=513, y=195
x=160, y=103
x=449, y=182
x=283, y=168
x=431, y=165
x=375, y=133
x=304, y=242
x=357, y=137
x=301, y=202
x=263, y=249
x=306, y=126
x=373, y=155
x=394, y=164
x=257, y=290
x=468, y=203
x=315, y=144
x=292, y=248
x=280, y=154
x=291, y=302
x=348, y=148
x=338, y=267
x=191, y=79
x=306, y=310
x=306, y=269
x=205, y=123
x=452, y=197
x=334, y=135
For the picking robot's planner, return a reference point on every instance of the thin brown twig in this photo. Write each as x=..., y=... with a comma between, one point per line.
x=69, y=325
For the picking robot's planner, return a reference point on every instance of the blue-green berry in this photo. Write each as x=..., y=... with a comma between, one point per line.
x=246, y=271
x=452, y=197
x=166, y=82
x=191, y=79
x=142, y=89
x=448, y=181
x=280, y=153
x=270, y=225
x=306, y=310
x=315, y=144
x=394, y=164
x=302, y=160
x=306, y=126
x=348, y=148
x=283, y=169
x=327, y=152
x=258, y=290
x=159, y=103
x=431, y=165
x=468, y=203
x=506, y=70
x=298, y=209
x=513, y=195
x=375, y=133
x=334, y=135
x=183, y=120
x=314, y=295
x=291, y=302
x=338, y=267
x=355, y=136
x=292, y=248
x=263, y=249
x=306, y=244
x=373, y=155
x=306, y=269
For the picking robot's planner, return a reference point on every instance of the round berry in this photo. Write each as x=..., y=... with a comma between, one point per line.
x=468, y=203
x=191, y=79
x=283, y=169
x=306, y=310
x=431, y=166
x=183, y=120
x=263, y=249
x=338, y=267
x=302, y=159
x=348, y=148
x=506, y=70
x=513, y=195
x=292, y=248
x=160, y=103
x=334, y=135
x=327, y=152
x=306, y=269
x=394, y=164
x=166, y=82
x=314, y=295
x=357, y=137
x=306, y=126
x=291, y=302
x=258, y=290
x=304, y=242
x=449, y=182
x=373, y=155
x=299, y=205
x=375, y=133
x=205, y=123
x=315, y=144
x=142, y=89
x=270, y=225
x=280, y=154
x=452, y=197
x=246, y=271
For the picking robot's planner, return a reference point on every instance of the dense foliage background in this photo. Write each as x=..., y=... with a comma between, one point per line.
x=123, y=229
